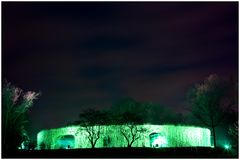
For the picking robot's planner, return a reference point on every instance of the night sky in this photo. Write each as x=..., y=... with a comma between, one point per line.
x=82, y=55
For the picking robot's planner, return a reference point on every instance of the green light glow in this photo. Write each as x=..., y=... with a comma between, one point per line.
x=157, y=140
x=66, y=142
x=154, y=136
x=227, y=146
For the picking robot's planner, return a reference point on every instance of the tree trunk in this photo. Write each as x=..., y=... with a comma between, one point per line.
x=214, y=137
x=93, y=146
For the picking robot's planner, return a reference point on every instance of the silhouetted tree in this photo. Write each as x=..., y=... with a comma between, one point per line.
x=210, y=101
x=129, y=113
x=159, y=114
x=129, y=105
x=233, y=132
x=131, y=132
x=15, y=105
x=129, y=127
x=91, y=121
x=149, y=112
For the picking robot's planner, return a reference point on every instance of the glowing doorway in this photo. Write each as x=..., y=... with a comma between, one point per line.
x=66, y=142
x=157, y=140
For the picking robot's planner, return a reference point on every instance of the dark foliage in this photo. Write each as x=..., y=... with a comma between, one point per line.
x=15, y=105
x=211, y=102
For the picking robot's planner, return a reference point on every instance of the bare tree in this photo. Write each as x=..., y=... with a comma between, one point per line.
x=91, y=121
x=15, y=105
x=209, y=102
x=131, y=132
x=93, y=134
x=129, y=126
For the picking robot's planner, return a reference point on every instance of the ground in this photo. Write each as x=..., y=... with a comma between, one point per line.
x=183, y=152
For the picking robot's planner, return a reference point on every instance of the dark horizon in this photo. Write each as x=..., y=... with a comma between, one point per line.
x=92, y=54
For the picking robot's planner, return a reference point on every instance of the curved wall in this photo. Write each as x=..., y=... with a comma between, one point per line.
x=165, y=136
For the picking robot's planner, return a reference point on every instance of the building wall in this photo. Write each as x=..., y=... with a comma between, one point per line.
x=171, y=136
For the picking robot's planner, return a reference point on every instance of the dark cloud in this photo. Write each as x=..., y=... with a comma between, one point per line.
x=109, y=43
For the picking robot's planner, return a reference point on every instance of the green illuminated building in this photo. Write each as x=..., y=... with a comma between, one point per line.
x=110, y=136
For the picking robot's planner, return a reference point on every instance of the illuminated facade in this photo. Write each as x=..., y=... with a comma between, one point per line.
x=110, y=136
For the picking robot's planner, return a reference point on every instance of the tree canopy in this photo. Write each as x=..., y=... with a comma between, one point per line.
x=15, y=104
x=210, y=102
